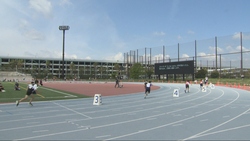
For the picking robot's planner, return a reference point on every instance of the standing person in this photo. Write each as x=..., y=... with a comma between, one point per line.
x=41, y=82
x=145, y=85
x=36, y=82
x=187, y=86
x=206, y=81
x=147, y=88
x=201, y=84
x=117, y=82
x=31, y=90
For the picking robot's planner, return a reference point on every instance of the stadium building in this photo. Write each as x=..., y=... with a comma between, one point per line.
x=52, y=68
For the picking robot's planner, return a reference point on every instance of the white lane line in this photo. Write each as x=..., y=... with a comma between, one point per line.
x=28, y=117
x=226, y=116
x=32, y=122
x=151, y=118
x=201, y=133
x=203, y=120
x=72, y=110
x=40, y=131
x=225, y=130
x=164, y=125
x=177, y=125
x=102, y=136
x=106, y=125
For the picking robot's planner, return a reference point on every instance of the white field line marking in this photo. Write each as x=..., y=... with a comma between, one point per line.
x=177, y=125
x=32, y=122
x=28, y=117
x=59, y=92
x=226, y=116
x=17, y=120
x=107, y=125
x=72, y=110
x=225, y=130
x=116, y=114
x=157, y=127
x=32, y=126
x=199, y=134
x=94, y=118
x=40, y=131
x=102, y=136
x=203, y=120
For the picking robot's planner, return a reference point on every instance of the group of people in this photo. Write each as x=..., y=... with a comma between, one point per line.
x=205, y=82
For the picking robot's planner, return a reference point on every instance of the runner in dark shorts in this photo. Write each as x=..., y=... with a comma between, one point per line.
x=31, y=90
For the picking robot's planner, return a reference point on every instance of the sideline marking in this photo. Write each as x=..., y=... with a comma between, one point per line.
x=26, y=90
x=40, y=131
x=69, y=95
x=102, y=136
x=71, y=110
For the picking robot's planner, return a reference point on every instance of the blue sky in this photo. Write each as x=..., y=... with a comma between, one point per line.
x=105, y=29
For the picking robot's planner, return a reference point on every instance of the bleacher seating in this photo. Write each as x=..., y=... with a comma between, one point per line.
x=10, y=76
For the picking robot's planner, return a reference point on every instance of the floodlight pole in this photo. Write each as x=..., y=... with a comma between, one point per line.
x=63, y=28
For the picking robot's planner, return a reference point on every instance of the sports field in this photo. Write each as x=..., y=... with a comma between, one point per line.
x=43, y=93
x=221, y=113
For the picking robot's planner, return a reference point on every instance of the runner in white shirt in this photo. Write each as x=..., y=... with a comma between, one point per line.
x=31, y=90
x=147, y=88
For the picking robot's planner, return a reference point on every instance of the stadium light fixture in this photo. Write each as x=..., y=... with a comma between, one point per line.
x=63, y=28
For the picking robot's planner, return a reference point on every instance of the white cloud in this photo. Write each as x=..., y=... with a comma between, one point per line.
x=30, y=32
x=202, y=54
x=184, y=56
x=190, y=32
x=65, y=2
x=212, y=49
x=118, y=56
x=237, y=36
x=88, y=58
x=161, y=33
x=42, y=6
x=230, y=49
x=238, y=48
x=179, y=37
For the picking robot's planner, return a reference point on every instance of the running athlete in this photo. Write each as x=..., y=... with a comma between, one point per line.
x=201, y=84
x=206, y=81
x=147, y=88
x=31, y=90
x=187, y=86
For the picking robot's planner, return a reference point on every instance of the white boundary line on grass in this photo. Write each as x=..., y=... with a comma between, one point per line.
x=69, y=95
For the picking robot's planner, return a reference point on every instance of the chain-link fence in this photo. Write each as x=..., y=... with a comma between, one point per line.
x=229, y=55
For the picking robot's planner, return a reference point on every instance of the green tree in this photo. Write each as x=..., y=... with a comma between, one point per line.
x=16, y=64
x=149, y=71
x=47, y=72
x=136, y=70
x=116, y=69
x=201, y=73
x=215, y=74
x=72, y=70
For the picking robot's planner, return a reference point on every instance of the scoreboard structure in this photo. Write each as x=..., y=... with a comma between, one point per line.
x=181, y=67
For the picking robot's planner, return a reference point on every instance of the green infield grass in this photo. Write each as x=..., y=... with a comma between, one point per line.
x=43, y=93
